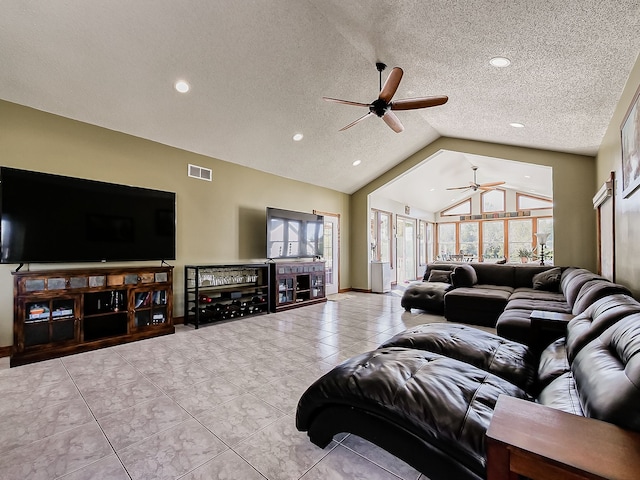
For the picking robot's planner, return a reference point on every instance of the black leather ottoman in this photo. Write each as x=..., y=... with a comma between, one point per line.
x=477, y=305
x=427, y=296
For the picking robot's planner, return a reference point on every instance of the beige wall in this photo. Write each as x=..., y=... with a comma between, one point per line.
x=627, y=211
x=574, y=217
x=219, y=221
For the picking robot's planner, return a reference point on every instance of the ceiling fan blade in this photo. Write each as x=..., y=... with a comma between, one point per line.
x=491, y=184
x=391, y=85
x=345, y=102
x=458, y=188
x=355, y=121
x=423, y=102
x=393, y=121
x=486, y=189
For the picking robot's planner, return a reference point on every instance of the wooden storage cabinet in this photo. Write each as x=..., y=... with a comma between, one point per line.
x=297, y=283
x=221, y=292
x=60, y=312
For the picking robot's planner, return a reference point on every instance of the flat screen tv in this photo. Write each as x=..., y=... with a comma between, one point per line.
x=294, y=234
x=52, y=218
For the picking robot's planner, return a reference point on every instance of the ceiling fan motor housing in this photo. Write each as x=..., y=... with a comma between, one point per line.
x=379, y=107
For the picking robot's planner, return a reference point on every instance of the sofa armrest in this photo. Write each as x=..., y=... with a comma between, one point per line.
x=526, y=438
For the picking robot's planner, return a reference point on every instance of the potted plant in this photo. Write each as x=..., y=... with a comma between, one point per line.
x=525, y=254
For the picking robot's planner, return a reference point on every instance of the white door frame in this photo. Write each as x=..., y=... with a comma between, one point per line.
x=334, y=219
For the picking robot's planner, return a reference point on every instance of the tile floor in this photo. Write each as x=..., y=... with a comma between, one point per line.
x=214, y=403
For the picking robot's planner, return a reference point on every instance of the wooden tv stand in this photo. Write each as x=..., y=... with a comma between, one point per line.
x=61, y=312
x=295, y=284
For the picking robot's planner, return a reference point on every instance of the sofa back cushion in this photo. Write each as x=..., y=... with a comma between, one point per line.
x=607, y=374
x=599, y=316
x=572, y=281
x=464, y=276
x=494, y=274
x=594, y=290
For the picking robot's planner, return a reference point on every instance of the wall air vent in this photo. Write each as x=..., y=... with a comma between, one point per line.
x=200, y=172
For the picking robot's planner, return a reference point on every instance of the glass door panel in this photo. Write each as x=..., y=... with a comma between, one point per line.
x=406, y=250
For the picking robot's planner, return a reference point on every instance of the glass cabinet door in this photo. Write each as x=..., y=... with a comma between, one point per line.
x=317, y=286
x=49, y=321
x=150, y=307
x=285, y=290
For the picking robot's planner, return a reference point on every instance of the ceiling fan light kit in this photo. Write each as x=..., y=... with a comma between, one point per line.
x=383, y=106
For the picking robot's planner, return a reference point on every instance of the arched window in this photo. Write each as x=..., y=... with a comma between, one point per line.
x=493, y=201
x=462, y=208
x=529, y=202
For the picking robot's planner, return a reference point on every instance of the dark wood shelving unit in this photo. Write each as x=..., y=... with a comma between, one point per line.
x=61, y=312
x=221, y=292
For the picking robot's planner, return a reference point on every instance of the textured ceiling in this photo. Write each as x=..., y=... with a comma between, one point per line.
x=258, y=70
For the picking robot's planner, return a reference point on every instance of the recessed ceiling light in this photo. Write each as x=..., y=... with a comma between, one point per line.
x=527, y=176
x=356, y=163
x=500, y=62
x=297, y=137
x=517, y=125
x=432, y=189
x=182, y=86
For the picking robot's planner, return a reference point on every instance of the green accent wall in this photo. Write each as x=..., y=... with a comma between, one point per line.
x=219, y=221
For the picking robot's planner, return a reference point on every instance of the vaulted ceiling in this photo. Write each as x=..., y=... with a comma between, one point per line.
x=258, y=70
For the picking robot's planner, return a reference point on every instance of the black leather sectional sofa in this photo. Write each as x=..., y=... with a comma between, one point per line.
x=428, y=394
x=504, y=296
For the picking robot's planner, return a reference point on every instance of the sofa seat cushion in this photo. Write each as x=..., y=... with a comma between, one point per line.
x=478, y=305
x=531, y=304
x=532, y=294
x=425, y=296
x=562, y=394
x=509, y=360
x=445, y=402
x=515, y=324
x=553, y=363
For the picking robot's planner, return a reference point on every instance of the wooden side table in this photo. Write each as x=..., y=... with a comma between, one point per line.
x=542, y=443
x=547, y=325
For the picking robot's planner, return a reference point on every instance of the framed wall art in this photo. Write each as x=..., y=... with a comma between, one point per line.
x=630, y=137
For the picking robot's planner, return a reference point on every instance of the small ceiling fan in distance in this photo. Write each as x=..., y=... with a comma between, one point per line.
x=383, y=107
x=475, y=186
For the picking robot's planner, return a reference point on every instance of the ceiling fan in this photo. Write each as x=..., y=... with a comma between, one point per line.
x=383, y=105
x=475, y=186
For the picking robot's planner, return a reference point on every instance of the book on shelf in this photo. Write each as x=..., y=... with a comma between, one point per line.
x=143, y=299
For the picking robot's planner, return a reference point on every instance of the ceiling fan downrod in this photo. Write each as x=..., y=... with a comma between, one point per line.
x=380, y=66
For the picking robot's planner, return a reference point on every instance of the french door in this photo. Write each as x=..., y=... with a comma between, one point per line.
x=331, y=251
x=406, y=250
